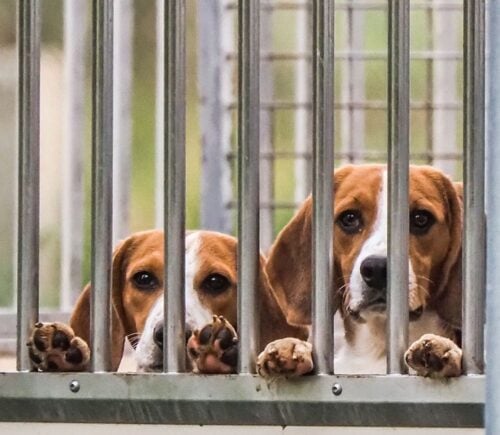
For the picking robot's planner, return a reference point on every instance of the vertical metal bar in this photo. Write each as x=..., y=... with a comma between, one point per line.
x=175, y=185
x=122, y=117
x=398, y=212
x=248, y=180
x=322, y=224
x=444, y=88
x=215, y=31
x=266, y=131
x=29, y=176
x=474, y=274
x=353, y=87
x=160, y=114
x=102, y=182
x=492, y=406
x=302, y=126
x=75, y=26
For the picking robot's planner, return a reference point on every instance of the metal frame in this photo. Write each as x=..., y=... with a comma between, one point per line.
x=474, y=229
x=102, y=183
x=398, y=178
x=322, y=207
x=242, y=399
x=174, y=356
x=28, y=231
x=492, y=411
x=321, y=399
x=248, y=182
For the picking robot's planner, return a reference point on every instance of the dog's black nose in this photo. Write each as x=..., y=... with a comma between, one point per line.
x=374, y=271
x=158, y=335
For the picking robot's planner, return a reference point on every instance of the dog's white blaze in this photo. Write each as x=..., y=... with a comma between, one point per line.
x=366, y=354
x=147, y=352
x=197, y=315
x=376, y=244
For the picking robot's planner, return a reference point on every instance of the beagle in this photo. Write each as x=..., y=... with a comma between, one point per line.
x=137, y=309
x=360, y=272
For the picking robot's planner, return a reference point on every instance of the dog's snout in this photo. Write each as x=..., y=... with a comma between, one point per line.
x=158, y=335
x=374, y=271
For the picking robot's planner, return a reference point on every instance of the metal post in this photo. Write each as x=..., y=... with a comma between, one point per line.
x=175, y=174
x=122, y=117
x=474, y=274
x=492, y=407
x=398, y=212
x=159, y=114
x=444, y=88
x=302, y=125
x=215, y=31
x=353, y=87
x=102, y=182
x=29, y=176
x=322, y=224
x=248, y=181
x=75, y=25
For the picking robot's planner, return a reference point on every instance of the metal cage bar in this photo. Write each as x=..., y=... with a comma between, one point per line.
x=242, y=399
x=398, y=183
x=72, y=202
x=492, y=410
x=28, y=231
x=474, y=230
x=102, y=183
x=175, y=185
x=322, y=224
x=248, y=181
x=122, y=117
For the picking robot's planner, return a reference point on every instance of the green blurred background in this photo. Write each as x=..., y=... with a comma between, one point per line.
x=143, y=164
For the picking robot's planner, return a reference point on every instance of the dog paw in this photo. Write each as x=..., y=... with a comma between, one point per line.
x=434, y=356
x=287, y=357
x=53, y=347
x=214, y=348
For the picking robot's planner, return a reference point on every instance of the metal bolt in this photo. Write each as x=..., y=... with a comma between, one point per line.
x=337, y=389
x=74, y=386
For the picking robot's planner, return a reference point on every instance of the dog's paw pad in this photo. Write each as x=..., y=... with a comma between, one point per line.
x=434, y=356
x=214, y=348
x=53, y=347
x=287, y=357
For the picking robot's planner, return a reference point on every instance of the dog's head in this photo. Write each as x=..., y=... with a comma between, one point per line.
x=360, y=247
x=137, y=291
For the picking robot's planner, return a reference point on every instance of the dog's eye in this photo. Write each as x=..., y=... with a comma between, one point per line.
x=350, y=221
x=215, y=284
x=420, y=221
x=145, y=280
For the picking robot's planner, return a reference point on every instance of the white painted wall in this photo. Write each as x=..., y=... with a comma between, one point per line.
x=107, y=429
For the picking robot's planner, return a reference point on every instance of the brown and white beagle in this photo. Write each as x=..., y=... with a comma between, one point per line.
x=137, y=308
x=360, y=271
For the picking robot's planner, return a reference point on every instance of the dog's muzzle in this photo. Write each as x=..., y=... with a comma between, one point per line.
x=373, y=270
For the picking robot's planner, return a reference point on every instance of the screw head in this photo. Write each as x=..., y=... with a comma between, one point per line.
x=74, y=386
x=337, y=389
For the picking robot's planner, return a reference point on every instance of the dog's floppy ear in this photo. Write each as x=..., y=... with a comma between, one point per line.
x=80, y=318
x=289, y=267
x=449, y=289
x=290, y=263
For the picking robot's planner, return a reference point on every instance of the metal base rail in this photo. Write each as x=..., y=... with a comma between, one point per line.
x=395, y=400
